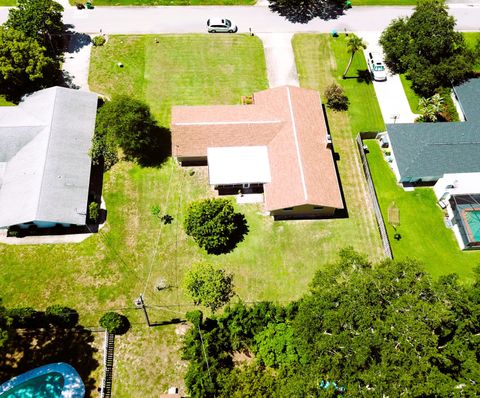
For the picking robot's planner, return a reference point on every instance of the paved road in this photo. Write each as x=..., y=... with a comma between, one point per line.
x=192, y=19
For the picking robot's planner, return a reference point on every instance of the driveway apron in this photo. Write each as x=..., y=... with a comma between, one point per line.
x=280, y=60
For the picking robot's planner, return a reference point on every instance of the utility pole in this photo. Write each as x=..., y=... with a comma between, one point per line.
x=139, y=303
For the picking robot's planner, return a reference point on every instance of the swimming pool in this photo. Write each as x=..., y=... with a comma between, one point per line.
x=473, y=221
x=57, y=380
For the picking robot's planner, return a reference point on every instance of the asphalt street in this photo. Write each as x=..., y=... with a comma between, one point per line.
x=192, y=19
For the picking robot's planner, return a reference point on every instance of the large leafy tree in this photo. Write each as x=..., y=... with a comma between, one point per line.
x=24, y=64
x=214, y=225
x=209, y=286
x=304, y=11
x=427, y=48
x=40, y=20
x=389, y=330
x=354, y=44
x=128, y=123
x=383, y=329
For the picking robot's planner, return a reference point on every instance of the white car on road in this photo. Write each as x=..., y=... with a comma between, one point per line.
x=219, y=25
x=376, y=67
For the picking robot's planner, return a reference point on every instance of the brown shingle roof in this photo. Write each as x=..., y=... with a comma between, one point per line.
x=290, y=121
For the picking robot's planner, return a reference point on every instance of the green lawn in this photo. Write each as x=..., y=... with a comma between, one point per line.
x=471, y=38
x=321, y=60
x=412, y=97
x=179, y=69
x=8, y=3
x=384, y=2
x=167, y=2
x=4, y=102
x=423, y=233
x=275, y=262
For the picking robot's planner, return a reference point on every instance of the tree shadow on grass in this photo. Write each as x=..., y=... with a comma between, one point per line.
x=159, y=150
x=363, y=76
x=29, y=349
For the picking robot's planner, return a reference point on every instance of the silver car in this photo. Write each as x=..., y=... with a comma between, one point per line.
x=219, y=25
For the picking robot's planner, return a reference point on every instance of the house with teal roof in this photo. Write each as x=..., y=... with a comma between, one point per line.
x=424, y=152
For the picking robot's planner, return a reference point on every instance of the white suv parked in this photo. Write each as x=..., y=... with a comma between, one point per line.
x=219, y=25
x=376, y=67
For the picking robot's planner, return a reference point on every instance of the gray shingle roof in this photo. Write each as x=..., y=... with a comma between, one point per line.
x=429, y=150
x=45, y=166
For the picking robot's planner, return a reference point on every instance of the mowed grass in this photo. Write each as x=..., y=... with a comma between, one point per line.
x=169, y=2
x=412, y=97
x=4, y=102
x=423, y=232
x=179, y=69
x=383, y=2
x=135, y=252
x=8, y=3
x=321, y=61
x=472, y=38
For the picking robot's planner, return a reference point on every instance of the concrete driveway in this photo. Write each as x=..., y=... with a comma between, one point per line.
x=281, y=68
x=390, y=94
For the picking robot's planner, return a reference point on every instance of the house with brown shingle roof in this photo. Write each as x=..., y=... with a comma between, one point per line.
x=279, y=144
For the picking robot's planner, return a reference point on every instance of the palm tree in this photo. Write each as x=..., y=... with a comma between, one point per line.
x=354, y=44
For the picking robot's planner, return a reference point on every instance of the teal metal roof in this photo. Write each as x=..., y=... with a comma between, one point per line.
x=429, y=150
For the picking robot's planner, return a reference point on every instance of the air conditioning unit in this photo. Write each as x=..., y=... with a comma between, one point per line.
x=329, y=141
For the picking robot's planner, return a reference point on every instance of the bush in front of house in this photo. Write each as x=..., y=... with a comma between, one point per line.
x=115, y=323
x=336, y=98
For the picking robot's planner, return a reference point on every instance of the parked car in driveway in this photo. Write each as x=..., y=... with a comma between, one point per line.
x=219, y=25
x=376, y=67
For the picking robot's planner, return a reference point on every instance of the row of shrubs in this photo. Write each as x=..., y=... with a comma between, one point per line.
x=65, y=317
x=55, y=315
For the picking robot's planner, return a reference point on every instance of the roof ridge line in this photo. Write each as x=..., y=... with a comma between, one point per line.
x=49, y=126
x=297, y=145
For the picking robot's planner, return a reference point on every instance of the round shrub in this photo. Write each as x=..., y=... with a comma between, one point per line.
x=215, y=226
x=336, y=98
x=115, y=323
x=61, y=316
x=98, y=41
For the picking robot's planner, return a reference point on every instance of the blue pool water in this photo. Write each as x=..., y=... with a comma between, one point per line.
x=56, y=380
x=473, y=219
x=49, y=385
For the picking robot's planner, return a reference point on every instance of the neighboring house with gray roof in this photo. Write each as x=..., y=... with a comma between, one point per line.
x=44, y=158
x=424, y=152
